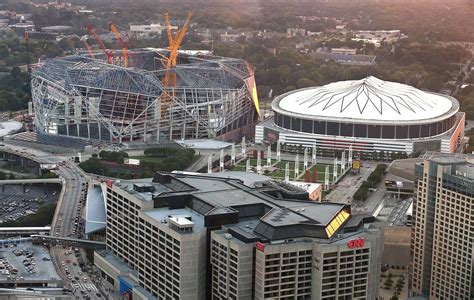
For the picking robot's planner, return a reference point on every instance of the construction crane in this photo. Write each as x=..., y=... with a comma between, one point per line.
x=169, y=78
x=108, y=54
x=88, y=47
x=123, y=44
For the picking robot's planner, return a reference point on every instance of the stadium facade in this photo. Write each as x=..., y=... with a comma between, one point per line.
x=83, y=97
x=370, y=114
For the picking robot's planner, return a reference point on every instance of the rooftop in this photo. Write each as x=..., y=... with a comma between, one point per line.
x=95, y=210
x=368, y=99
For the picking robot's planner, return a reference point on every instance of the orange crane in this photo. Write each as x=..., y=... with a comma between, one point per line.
x=174, y=42
x=108, y=54
x=117, y=34
x=88, y=47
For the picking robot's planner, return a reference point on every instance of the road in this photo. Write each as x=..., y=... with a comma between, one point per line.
x=66, y=218
x=347, y=187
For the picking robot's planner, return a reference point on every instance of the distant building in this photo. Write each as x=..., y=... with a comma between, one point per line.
x=59, y=29
x=377, y=36
x=20, y=28
x=346, y=51
x=147, y=31
x=291, y=32
x=442, y=238
x=50, y=36
x=346, y=59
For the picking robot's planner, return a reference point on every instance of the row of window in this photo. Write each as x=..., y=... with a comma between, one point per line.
x=363, y=130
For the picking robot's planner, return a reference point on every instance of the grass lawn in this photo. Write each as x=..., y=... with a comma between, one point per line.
x=279, y=173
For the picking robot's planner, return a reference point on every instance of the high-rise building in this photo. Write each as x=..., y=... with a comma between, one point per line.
x=443, y=227
x=237, y=236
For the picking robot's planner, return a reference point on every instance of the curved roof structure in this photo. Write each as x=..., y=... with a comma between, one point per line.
x=369, y=100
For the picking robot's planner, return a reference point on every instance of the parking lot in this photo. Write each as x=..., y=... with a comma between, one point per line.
x=25, y=262
x=17, y=200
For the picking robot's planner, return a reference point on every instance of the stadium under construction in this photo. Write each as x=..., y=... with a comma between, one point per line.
x=91, y=98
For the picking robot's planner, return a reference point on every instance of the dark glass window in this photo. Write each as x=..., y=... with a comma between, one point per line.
x=414, y=131
x=388, y=132
x=286, y=122
x=333, y=128
x=425, y=130
x=94, y=129
x=402, y=132
x=319, y=127
x=296, y=124
x=278, y=119
x=72, y=130
x=374, y=131
x=433, y=129
x=307, y=126
x=360, y=130
x=346, y=129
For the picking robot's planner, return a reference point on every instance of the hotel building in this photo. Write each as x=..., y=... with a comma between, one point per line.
x=242, y=236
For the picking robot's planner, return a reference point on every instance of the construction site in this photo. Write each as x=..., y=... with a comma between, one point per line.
x=145, y=95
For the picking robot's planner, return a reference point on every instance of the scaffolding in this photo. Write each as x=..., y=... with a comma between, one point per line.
x=86, y=97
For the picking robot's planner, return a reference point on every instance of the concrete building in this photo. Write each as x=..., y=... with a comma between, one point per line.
x=314, y=190
x=147, y=31
x=370, y=114
x=442, y=240
x=185, y=236
x=351, y=51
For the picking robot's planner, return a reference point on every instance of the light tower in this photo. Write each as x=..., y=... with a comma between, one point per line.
x=209, y=164
x=269, y=156
x=278, y=151
x=297, y=165
x=221, y=161
x=232, y=155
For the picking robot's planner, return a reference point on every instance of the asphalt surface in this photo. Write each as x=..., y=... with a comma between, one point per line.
x=63, y=224
x=17, y=201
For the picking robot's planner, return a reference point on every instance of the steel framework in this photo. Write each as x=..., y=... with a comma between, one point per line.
x=89, y=98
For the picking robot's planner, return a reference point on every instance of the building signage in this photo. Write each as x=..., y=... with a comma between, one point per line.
x=260, y=246
x=356, y=243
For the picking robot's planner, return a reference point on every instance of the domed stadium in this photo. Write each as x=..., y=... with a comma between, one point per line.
x=370, y=114
x=83, y=97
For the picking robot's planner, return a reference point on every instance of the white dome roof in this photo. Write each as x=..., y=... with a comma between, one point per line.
x=369, y=99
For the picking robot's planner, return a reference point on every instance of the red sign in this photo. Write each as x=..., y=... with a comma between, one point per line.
x=260, y=247
x=357, y=243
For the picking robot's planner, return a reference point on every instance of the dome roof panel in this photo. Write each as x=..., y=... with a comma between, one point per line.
x=369, y=99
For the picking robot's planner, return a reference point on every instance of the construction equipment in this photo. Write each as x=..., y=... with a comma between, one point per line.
x=169, y=79
x=88, y=47
x=123, y=44
x=108, y=54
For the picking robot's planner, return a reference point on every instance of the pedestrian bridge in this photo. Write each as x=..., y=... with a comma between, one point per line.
x=41, y=239
x=24, y=230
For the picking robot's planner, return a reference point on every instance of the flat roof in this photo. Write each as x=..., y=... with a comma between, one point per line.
x=95, y=210
x=204, y=144
x=163, y=214
x=45, y=271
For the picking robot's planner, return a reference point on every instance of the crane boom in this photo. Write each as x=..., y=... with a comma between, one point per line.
x=88, y=47
x=101, y=44
x=168, y=30
x=169, y=78
x=117, y=34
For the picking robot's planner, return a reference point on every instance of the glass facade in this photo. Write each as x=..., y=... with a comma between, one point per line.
x=365, y=131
